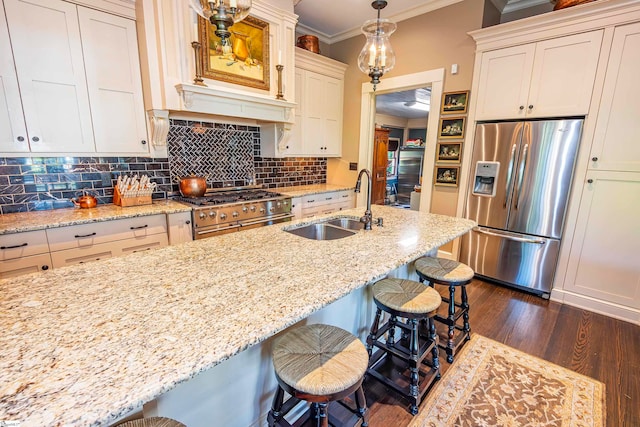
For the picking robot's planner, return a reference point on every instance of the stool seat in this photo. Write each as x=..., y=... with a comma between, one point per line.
x=320, y=359
x=443, y=270
x=406, y=296
x=152, y=422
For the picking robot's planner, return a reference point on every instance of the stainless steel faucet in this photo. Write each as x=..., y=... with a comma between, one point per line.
x=367, y=218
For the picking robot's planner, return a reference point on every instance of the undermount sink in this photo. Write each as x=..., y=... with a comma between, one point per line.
x=349, y=223
x=321, y=231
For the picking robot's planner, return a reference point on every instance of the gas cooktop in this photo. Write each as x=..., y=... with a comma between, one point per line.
x=231, y=196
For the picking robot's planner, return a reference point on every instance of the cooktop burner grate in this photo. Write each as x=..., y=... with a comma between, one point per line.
x=230, y=197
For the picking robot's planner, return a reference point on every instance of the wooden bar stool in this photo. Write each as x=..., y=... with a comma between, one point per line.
x=415, y=303
x=152, y=422
x=453, y=274
x=318, y=364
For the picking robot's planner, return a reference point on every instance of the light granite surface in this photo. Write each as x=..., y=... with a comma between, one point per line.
x=85, y=344
x=305, y=190
x=38, y=220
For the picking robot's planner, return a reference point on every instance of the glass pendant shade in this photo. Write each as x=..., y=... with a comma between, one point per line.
x=377, y=56
x=222, y=13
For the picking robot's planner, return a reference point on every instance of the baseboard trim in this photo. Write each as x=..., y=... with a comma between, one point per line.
x=609, y=309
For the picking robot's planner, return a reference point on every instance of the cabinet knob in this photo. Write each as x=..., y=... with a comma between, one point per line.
x=35, y=139
x=187, y=222
x=45, y=267
x=143, y=142
x=590, y=181
x=20, y=138
x=530, y=107
x=287, y=147
x=521, y=107
x=595, y=159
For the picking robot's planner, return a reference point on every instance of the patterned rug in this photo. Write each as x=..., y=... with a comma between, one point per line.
x=491, y=384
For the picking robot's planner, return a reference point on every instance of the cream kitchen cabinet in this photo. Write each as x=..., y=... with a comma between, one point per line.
x=89, y=242
x=616, y=144
x=22, y=253
x=550, y=78
x=324, y=203
x=180, y=227
x=78, y=76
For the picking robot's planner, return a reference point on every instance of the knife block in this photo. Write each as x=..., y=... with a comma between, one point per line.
x=119, y=200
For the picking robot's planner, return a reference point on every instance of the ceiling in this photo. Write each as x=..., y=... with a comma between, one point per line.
x=408, y=104
x=336, y=20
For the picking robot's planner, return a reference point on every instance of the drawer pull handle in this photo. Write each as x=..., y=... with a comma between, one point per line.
x=80, y=236
x=311, y=201
x=138, y=228
x=13, y=247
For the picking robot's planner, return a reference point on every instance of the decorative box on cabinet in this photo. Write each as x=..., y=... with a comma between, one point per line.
x=22, y=253
x=89, y=100
x=90, y=242
x=551, y=78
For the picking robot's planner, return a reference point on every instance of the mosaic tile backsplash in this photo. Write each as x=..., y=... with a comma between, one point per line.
x=43, y=183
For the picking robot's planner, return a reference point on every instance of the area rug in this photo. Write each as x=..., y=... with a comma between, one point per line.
x=491, y=384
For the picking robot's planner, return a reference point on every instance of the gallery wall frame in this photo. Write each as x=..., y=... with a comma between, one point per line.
x=448, y=152
x=451, y=128
x=455, y=102
x=446, y=176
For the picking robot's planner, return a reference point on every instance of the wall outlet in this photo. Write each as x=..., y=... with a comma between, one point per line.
x=353, y=166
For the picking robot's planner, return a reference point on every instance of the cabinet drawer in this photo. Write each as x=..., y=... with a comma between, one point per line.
x=87, y=235
x=82, y=255
x=326, y=198
x=145, y=243
x=23, y=244
x=28, y=264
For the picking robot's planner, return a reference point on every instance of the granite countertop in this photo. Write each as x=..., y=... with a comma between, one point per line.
x=85, y=344
x=38, y=220
x=305, y=190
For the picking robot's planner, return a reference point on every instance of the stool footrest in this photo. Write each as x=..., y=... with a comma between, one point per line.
x=403, y=353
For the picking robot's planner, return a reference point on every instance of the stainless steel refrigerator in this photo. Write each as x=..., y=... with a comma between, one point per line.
x=520, y=177
x=409, y=171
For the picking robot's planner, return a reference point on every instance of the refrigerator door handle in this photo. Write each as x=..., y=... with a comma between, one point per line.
x=523, y=165
x=509, y=174
x=508, y=237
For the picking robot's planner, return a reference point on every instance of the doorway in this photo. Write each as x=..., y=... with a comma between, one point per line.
x=433, y=79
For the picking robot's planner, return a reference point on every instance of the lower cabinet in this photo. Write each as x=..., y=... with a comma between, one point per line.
x=180, y=227
x=322, y=203
x=23, y=253
x=78, y=244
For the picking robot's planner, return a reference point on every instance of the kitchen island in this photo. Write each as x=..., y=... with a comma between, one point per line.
x=84, y=345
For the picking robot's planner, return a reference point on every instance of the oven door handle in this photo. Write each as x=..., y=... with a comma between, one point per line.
x=215, y=230
x=271, y=218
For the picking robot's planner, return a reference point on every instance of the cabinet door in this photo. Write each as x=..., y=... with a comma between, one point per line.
x=503, y=87
x=180, y=227
x=603, y=260
x=380, y=160
x=296, y=141
x=616, y=145
x=45, y=37
x=28, y=264
x=111, y=60
x=313, y=113
x=564, y=70
x=332, y=101
x=13, y=132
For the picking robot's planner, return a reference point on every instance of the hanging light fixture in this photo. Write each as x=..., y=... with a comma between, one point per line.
x=222, y=13
x=377, y=57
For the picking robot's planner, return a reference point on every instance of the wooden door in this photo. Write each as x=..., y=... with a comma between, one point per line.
x=379, y=169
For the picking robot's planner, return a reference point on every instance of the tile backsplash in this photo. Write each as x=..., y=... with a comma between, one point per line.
x=228, y=154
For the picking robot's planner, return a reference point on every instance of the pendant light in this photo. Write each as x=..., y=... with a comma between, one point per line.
x=222, y=14
x=377, y=57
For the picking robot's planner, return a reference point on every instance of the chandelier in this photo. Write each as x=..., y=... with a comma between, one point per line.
x=222, y=14
x=377, y=57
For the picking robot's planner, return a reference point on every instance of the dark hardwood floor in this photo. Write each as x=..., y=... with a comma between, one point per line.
x=591, y=344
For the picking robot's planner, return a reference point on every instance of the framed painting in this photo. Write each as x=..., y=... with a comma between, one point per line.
x=451, y=128
x=449, y=152
x=446, y=176
x=455, y=102
x=243, y=59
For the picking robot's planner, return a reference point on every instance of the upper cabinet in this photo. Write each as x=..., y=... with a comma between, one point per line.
x=551, y=78
x=77, y=70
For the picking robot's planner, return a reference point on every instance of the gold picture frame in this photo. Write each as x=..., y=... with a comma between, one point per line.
x=245, y=61
x=446, y=176
x=451, y=128
x=448, y=152
x=455, y=102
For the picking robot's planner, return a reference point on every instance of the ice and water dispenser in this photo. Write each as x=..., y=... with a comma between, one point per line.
x=486, y=178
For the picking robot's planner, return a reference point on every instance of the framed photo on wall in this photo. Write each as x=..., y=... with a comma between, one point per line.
x=451, y=128
x=448, y=152
x=455, y=102
x=446, y=176
x=244, y=60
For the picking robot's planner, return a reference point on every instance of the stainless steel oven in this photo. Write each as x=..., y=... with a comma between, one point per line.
x=228, y=210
